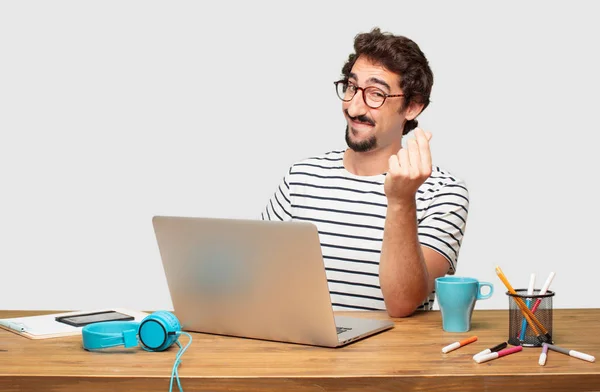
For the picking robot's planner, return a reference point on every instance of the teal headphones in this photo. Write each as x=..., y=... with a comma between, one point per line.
x=156, y=332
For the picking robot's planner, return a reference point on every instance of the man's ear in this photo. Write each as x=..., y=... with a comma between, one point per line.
x=413, y=110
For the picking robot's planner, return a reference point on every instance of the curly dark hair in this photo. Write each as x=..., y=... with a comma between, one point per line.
x=400, y=55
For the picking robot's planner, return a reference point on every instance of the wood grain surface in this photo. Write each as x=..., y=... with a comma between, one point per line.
x=406, y=358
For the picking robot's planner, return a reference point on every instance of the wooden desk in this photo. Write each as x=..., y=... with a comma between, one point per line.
x=406, y=358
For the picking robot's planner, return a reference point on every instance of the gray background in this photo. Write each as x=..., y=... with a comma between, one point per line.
x=114, y=111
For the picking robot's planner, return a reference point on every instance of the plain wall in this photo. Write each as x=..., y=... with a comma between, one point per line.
x=114, y=111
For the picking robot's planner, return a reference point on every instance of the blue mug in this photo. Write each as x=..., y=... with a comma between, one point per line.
x=456, y=298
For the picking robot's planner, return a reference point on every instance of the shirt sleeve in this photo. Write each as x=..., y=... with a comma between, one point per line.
x=279, y=206
x=444, y=221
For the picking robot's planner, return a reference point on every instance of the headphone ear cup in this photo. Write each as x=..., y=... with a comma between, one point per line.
x=158, y=331
x=170, y=319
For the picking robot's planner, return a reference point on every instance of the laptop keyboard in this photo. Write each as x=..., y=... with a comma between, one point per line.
x=342, y=329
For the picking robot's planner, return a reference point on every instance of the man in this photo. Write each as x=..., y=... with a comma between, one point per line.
x=389, y=222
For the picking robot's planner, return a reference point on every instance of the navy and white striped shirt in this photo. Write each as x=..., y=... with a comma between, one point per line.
x=349, y=212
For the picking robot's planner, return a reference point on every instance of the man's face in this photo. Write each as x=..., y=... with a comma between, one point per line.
x=370, y=129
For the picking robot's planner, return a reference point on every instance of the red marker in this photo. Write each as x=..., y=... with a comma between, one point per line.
x=501, y=353
x=456, y=345
x=543, y=291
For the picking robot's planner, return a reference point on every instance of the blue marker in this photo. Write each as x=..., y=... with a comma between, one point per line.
x=528, y=302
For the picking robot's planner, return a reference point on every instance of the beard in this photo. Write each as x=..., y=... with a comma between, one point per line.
x=363, y=146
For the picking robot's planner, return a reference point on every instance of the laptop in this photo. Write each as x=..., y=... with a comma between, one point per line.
x=253, y=279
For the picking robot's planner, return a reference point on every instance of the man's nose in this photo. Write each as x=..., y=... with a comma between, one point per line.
x=357, y=106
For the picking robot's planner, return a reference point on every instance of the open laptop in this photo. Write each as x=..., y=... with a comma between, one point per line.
x=253, y=279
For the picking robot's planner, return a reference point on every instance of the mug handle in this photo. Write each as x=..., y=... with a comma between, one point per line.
x=485, y=296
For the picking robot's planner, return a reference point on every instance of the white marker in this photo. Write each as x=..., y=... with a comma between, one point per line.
x=543, y=355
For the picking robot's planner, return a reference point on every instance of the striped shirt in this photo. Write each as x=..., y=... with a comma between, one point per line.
x=349, y=212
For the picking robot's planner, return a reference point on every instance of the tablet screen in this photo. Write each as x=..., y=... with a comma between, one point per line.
x=89, y=318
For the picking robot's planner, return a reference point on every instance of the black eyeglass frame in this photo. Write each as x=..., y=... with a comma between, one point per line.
x=364, y=96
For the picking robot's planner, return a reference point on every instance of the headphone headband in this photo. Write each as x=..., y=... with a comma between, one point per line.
x=110, y=334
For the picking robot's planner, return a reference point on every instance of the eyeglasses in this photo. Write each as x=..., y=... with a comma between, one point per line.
x=373, y=96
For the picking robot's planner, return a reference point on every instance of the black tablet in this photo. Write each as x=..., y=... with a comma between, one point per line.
x=80, y=320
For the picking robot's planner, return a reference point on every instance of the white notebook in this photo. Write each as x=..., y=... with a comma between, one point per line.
x=45, y=326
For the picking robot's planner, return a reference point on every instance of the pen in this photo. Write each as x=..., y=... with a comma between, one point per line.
x=456, y=345
x=491, y=350
x=543, y=291
x=529, y=292
x=572, y=353
x=544, y=336
x=501, y=353
x=543, y=355
x=14, y=326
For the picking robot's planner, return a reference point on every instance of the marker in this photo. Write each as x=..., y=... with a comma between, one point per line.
x=529, y=292
x=492, y=350
x=543, y=355
x=456, y=345
x=501, y=353
x=543, y=291
x=572, y=353
x=534, y=323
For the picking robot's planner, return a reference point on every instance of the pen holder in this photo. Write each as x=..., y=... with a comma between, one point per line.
x=520, y=332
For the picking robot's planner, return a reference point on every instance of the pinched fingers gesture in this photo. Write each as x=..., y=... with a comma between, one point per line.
x=409, y=168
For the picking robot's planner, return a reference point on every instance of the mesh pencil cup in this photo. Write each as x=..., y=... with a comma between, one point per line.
x=520, y=331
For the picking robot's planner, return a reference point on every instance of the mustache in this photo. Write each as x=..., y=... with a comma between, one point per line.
x=362, y=118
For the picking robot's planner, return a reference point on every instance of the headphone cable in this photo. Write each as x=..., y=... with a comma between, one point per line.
x=174, y=372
